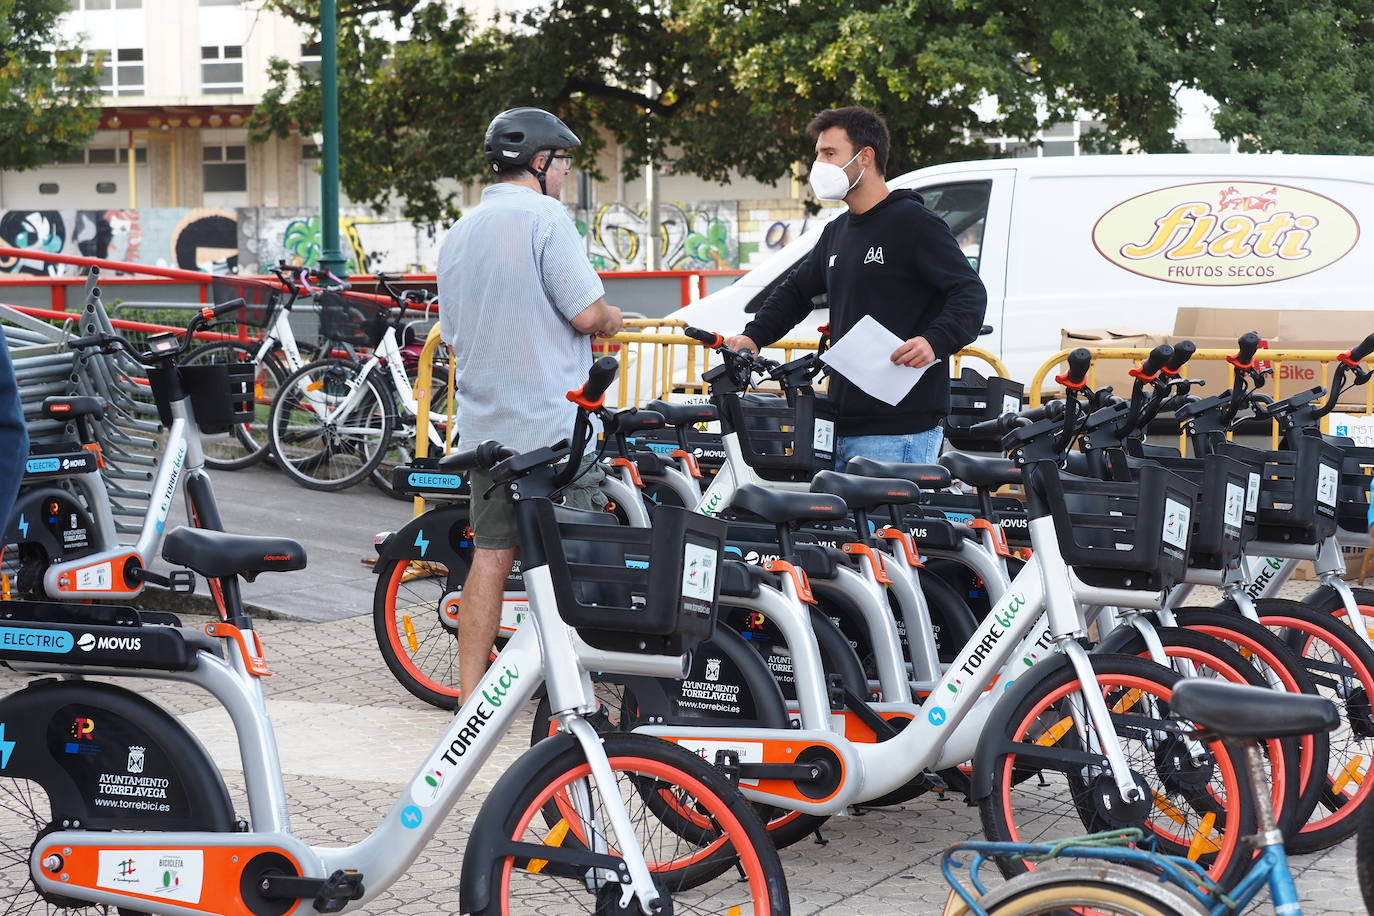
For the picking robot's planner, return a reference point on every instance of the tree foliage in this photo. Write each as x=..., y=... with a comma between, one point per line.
x=716, y=88
x=48, y=97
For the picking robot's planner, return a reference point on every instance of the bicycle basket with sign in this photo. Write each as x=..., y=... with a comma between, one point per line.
x=974, y=399
x=646, y=590
x=222, y=394
x=350, y=319
x=782, y=439
x=1299, y=491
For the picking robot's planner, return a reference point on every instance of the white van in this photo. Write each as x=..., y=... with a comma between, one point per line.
x=1094, y=241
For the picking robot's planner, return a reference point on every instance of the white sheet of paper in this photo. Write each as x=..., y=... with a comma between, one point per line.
x=863, y=356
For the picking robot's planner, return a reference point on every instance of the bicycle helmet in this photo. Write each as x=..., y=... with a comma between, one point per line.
x=517, y=135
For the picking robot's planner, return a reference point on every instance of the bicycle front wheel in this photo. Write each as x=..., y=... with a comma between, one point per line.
x=246, y=444
x=1110, y=889
x=417, y=642
x=330, y=426
x=1049, y=780
x=728, y=865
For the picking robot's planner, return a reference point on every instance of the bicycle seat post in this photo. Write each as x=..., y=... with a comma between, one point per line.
x=1257, y=771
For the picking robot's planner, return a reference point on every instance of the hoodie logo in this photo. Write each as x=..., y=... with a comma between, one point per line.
x=874, y=256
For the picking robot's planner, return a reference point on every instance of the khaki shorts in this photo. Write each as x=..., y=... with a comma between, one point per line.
x=493, y=517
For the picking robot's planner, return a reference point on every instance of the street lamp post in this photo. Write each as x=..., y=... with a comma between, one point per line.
x=331, y=257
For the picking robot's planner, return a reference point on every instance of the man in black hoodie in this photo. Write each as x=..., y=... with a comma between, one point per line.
x=889, y=257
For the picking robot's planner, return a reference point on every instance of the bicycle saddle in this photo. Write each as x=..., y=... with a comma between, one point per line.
x=781, y=507
x=925, y=476
x=981, y=471
x=866, y=492
x=56, y=408
x=684, y=414
x=1244, y=712
x=216, y=554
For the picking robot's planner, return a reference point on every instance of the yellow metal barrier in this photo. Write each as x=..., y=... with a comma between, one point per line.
x=423, y=381
x=1273, y=385
x=656, y=360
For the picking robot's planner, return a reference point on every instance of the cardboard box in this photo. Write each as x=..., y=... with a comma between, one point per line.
x=1111, y=372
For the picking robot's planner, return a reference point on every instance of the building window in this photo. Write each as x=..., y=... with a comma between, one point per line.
x=105, y=187
x=310, y=151
x=47, y=187
x=310, y=58
x=121, y=71
x=225, y=168
x=90, y=4
x=221, y=69
x=219, y=2
x=140, y=155
x=102, y=155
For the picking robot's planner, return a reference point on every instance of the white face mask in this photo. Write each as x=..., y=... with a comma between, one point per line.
x=830, y=182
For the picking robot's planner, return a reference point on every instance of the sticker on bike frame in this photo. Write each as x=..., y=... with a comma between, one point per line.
x=1327, y=479
x=435, y=481
x=176, y=874
x=1177, y=518
x=748, y=751
x=56, y=642
x=96, y=578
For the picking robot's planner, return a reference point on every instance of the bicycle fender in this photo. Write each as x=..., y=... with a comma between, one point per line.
x=109, y=759
x=66, y=533
x=1117, y=640
x=480, y=864
x=440, y=535
x=991, y=742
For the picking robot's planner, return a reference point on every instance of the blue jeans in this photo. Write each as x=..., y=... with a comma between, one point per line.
x=916, y=448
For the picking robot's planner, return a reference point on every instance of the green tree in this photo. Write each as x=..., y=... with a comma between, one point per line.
x=716, y=88
x=48, y=97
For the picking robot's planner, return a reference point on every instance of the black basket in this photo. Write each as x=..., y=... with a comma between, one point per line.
x=259, y=298
x=782, y=441
x=1352, y=505
x=1299, y=491
x=974, y=399
x=222, y=394
x=1120, y=534
x=646, y=590
x=1226, y=518
x=350, y=319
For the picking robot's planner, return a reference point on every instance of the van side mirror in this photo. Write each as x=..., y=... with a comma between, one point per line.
x=985, y=330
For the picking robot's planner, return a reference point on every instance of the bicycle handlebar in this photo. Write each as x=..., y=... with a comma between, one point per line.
x=485, y=456
x=1183, y=351
x=712, y=340
x=593, y=392
x=1245, y=349
x=1365, y=347
x=1158, y=357
x=1080, y=361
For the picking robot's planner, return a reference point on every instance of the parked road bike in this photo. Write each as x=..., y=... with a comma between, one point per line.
x=335, y=421
x=1111, y=873
x=140, y=819
x=62, y=541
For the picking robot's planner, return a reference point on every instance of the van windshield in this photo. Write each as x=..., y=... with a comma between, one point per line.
x=963, y=205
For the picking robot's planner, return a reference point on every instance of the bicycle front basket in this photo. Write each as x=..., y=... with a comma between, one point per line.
x=973, y=399
x=222, y=394
x=1299, y=491
x=781, y=440
x=646, y=590
x=259, y=299
x=350, y=319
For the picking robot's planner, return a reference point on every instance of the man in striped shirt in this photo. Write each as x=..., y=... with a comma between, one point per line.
x=518, y=303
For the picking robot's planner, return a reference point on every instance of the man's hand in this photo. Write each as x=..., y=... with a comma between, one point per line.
x=915, y=353
x=612, y=323
x=740, y=342
x=598, y=319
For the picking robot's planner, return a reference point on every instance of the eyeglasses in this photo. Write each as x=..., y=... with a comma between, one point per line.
x=565, y=158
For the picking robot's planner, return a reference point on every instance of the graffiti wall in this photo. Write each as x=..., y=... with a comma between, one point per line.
x=692, y=236
x=193, y=239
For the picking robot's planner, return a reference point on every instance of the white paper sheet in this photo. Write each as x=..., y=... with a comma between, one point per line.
x=864, y=357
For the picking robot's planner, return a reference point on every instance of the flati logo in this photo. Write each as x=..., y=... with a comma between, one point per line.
x=135, y=762
x=874, y=256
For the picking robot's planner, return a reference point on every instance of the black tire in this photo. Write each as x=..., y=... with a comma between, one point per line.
x=1069, y=887
x=312, y=443
x=420, y=648
x=953, y=620
x=701, y=871
x=1343, y=668
x=1276, y=662
x=1364, y=860
x=1041, y=791
x=1211, y=657
x=248, y=443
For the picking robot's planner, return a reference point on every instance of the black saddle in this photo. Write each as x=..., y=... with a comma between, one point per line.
x=925, y=476
x=629, y=422
x=1240, y=711
x=982, y=471
x=56, y=408
x=783, y=506
x=866, y=492
x=684, y=414
x=218, y=554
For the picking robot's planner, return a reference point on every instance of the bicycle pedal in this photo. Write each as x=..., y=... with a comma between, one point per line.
x=727, y=761
x=339, y=889
x=182, y=582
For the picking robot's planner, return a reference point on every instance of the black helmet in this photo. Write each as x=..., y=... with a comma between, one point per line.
x=516, y=135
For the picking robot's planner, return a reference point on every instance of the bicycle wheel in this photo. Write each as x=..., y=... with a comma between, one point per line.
x=1079, y=888
x=248, y=443
x=729, y=866
x=417, y=644
x=1343, y=668
x=1047, y=781
x=1325, y=599
x=1284, y=670
x=1210, y=657
x=329, y=427
x=1364, y=859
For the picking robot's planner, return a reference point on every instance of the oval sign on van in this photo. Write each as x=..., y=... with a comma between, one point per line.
x=1226, y=233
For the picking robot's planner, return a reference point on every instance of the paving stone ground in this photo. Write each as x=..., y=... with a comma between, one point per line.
x=351, y=738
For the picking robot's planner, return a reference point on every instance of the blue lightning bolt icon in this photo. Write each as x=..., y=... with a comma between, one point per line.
x=23, y=525
x=421, y=542
x=6, y=748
